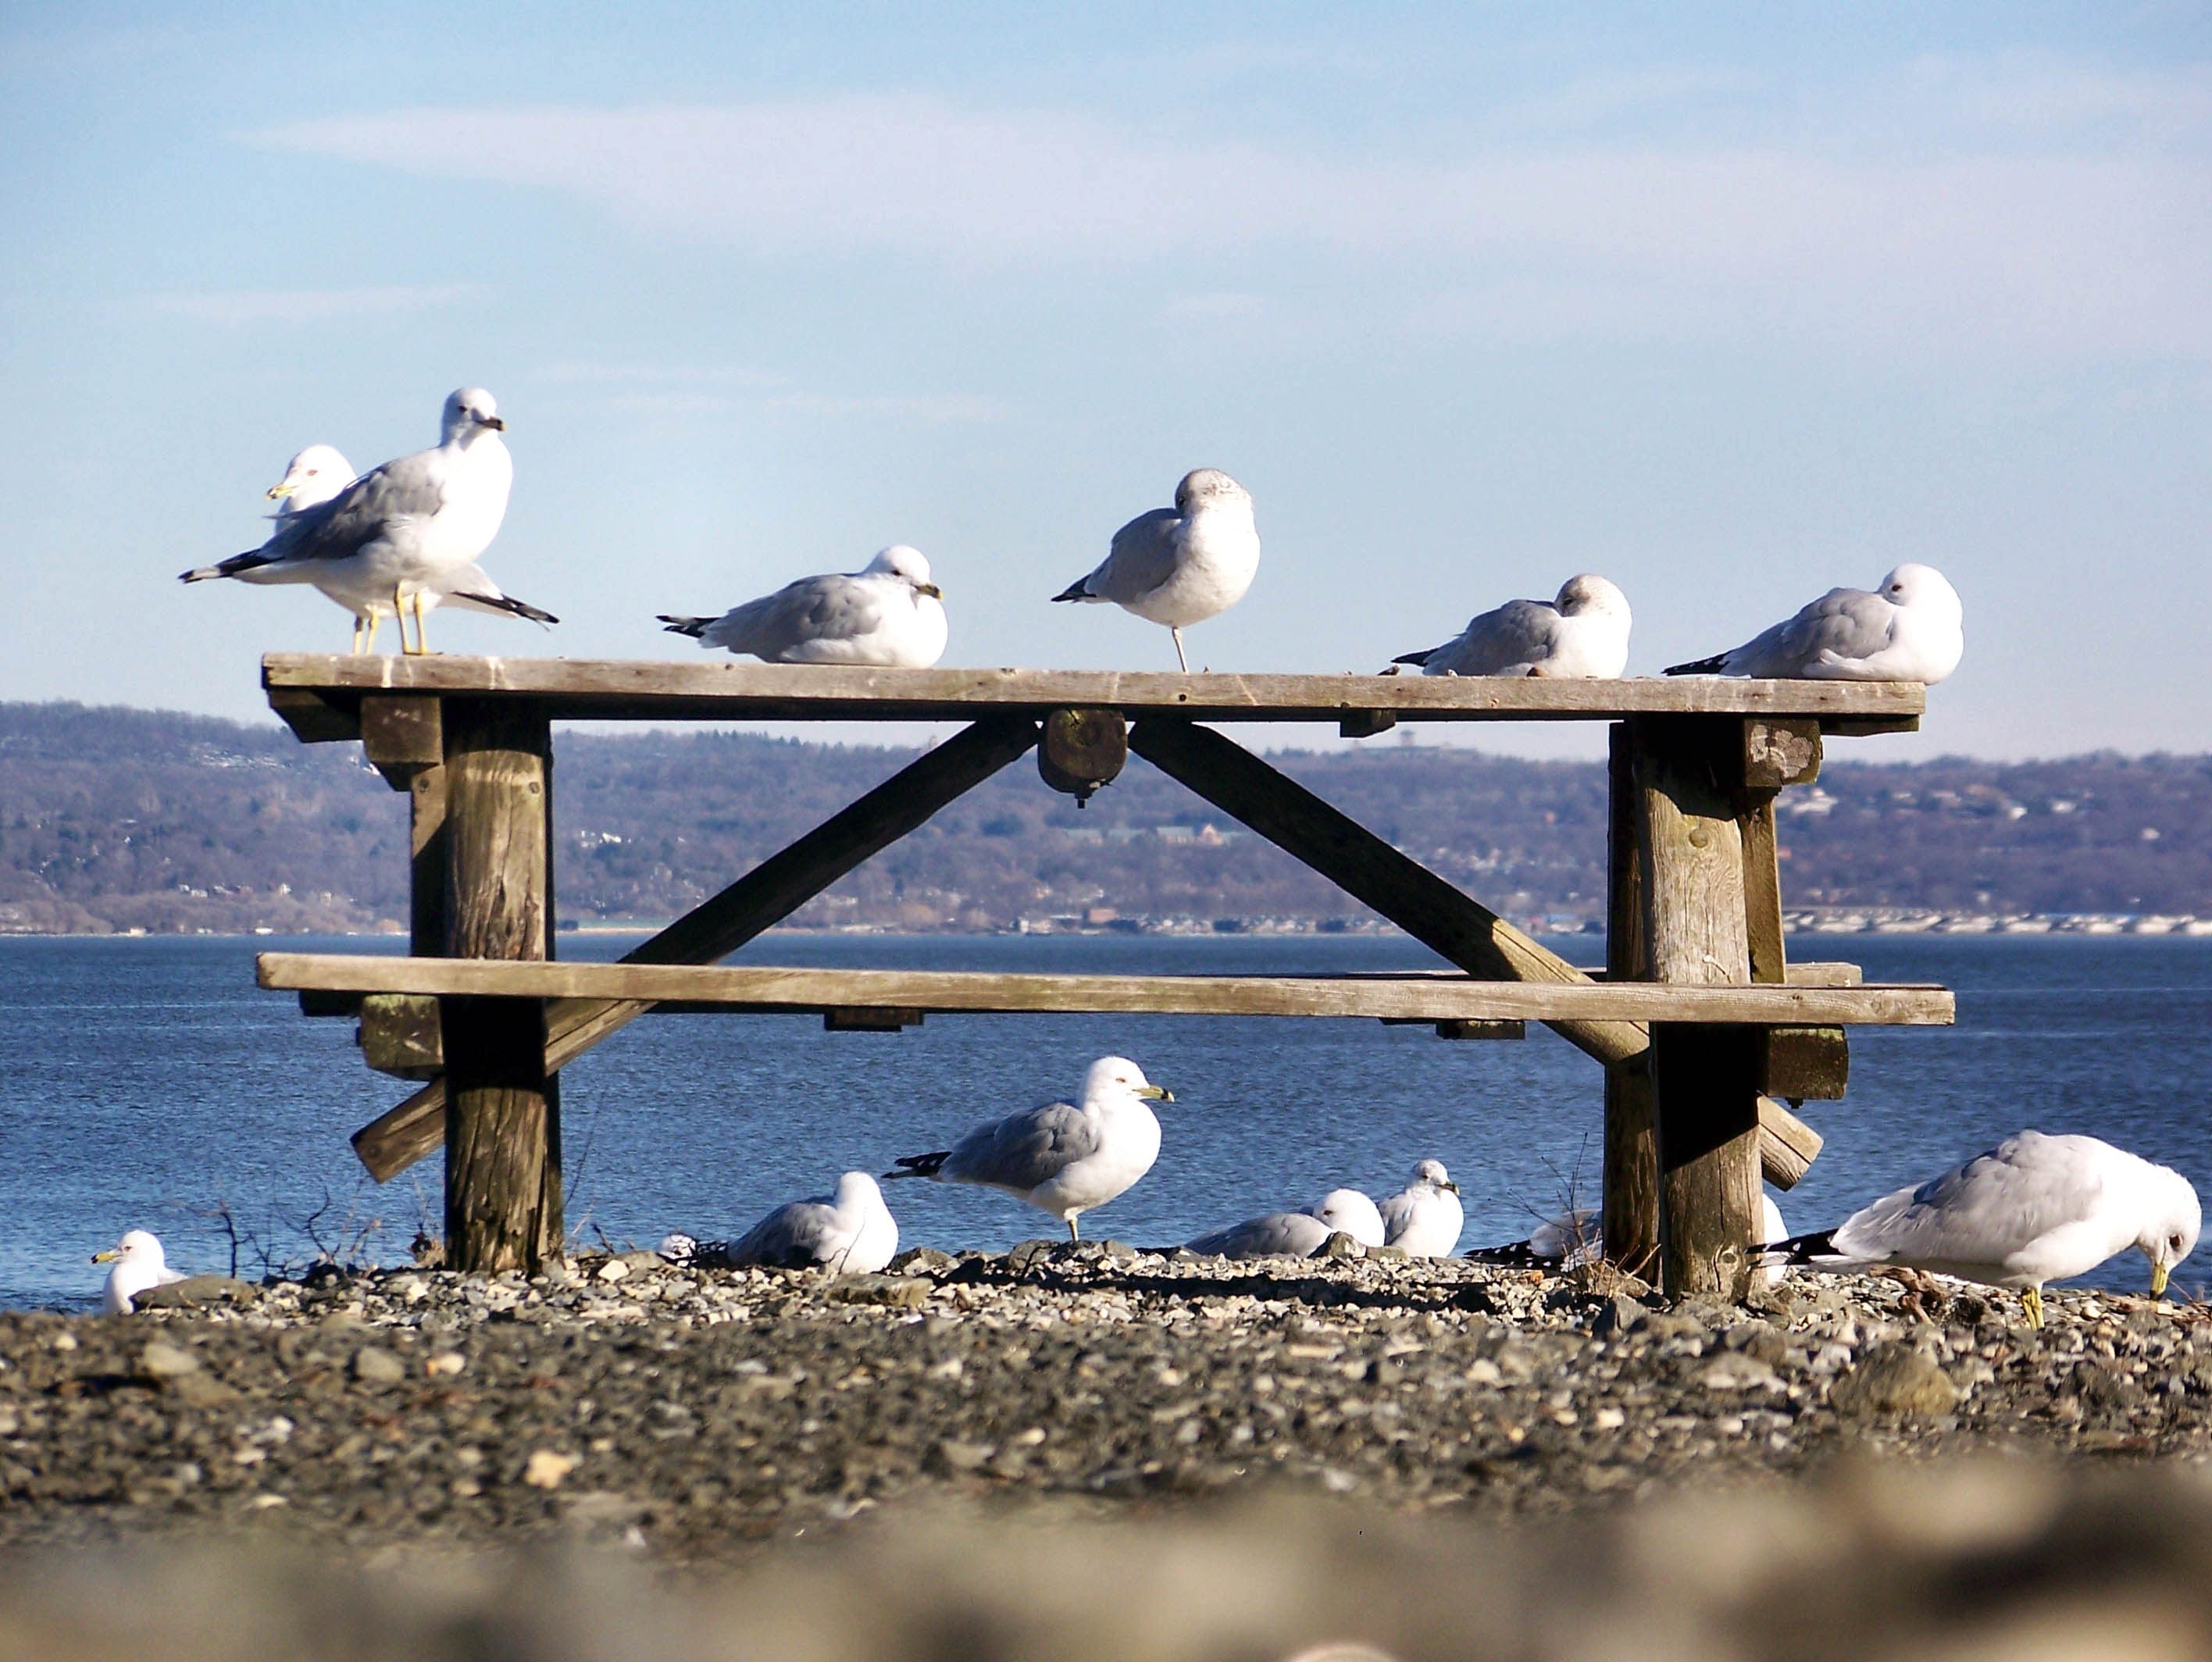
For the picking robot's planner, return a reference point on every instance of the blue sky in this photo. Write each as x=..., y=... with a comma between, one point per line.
x=1730, y=305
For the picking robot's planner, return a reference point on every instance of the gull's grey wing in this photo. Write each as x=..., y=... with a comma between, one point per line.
x=794, y=1235
x=1510, y=641
x=1023, y=1149
x=828, y=608
x=1295, y=1235
x=1142, y=558
x=412, y=488
x=1397, y=1213
x=1981, y=1212
x=1843, y=623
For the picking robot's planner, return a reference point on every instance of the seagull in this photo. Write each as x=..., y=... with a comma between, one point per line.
x=1181, y=565
x=1062, y=1158
x=2032, y=1210
x=1425, y=1218
x=887, y=613
x=1582, y=635
x=1298, y=1235
x=1907, y=630
x=140, y=1266
x=311, y=479
x=851, y=1231
x=402, y=532
x=1576, y=1237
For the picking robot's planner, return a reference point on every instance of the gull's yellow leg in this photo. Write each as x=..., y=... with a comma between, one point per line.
x=399, y=616
x=1180, y=658
x=422, y=628
x=2031, y=1301
x=356, y=633
x=1074, y=1234
x=375, y=620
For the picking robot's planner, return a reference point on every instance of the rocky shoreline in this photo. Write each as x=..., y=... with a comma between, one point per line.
x=690, y=1413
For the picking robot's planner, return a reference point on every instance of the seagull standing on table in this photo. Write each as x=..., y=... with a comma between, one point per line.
x=1298, y=1235
x=1909, y=629
x=1181, y=565
x=140, y=1266
x=1582, y=635
x=1063, y=1158
x=404, y=535
x=1425, y=1216
x=888, y=613
x=2032, y=1210
x=852, y=1231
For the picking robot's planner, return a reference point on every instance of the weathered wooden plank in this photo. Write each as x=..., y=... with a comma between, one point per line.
x=1795, y=1063
x=503, y=1205
x=764, y=897
x=402, y=737
x=1780, y=751
x=399, y=1035
x=1630, y=1193
x=574, y=689
x=426, y=859
x=1705, y=1080
x=1417, y=997
x=314, y=718
x=1787, y=1145
x=1447, y=921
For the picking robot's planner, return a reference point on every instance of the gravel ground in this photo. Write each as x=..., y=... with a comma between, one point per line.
x=692, y=1414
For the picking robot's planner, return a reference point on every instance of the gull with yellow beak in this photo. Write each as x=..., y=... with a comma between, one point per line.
x=2032, y=1210
x=1425, y=1216
x=1064, y=1158
x=402, y=537
x=888, y=613
x=140, y=1266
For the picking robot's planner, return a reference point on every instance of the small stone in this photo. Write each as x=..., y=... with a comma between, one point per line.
x=1120, y=1251
x=197, y=1290
x=546, y=1469
x=162, y=1360
x=921, y=1260
x=895, y=1292
x=1621, y=1314
x=613, y=1270
x=1734, y=1371
x=374, y=1365
x=957, y=1456
x=446, y=1364
x=1028, y=1255
x=1398, y=1252
x=1340, y=1245
x=1894, y=1379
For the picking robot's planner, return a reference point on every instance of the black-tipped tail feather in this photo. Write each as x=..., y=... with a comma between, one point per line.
x=1804, y=1249
x=1514, y=1255
x=694, y=626
x=1415, y=657
x=1075, y=590
x=920, y=1165
x=1714, y=666
x=507, y=603
x=230, y=567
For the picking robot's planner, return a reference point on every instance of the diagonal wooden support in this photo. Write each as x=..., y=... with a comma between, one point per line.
x=1433, y=912
x=764, y=897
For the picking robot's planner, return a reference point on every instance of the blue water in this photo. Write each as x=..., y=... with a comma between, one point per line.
x=146, y=1081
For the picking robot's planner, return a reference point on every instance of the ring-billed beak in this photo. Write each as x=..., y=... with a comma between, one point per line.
x=493, y=422
x=112, y=1252
x=929, y=589
x=280, y=490
x=1157, y=1093
x=1449, y=1184
x=2158, y=1274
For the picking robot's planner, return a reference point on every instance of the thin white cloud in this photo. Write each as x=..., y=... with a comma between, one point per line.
x=2097, y=246
x=245, y=307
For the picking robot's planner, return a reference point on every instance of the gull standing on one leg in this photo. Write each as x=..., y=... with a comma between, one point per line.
x=2032, y=1210
x=1181, y=565
x=404, y=534
x=1063, y=1158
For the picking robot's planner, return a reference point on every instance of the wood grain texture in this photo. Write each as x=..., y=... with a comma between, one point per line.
x=616, y=689
x=1410, y=998
x=1688, y=777
x=1630, y=1193
x=503, y=1203
x=770, y=892
x=402, y=737
x=1787, y=1145
x=1447, y=922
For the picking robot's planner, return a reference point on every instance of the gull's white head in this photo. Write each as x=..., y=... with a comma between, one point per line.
x=314, y=476
x=1591, y=593
x=1118, y=1076
x=858, y=1189
x=1353, y=1213
x=1431, y=1171
x=900, y=561
x=469, y=411
x=1922, y=588
x=139, y=1248
x=1208, y=488
x=2171, y=1218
